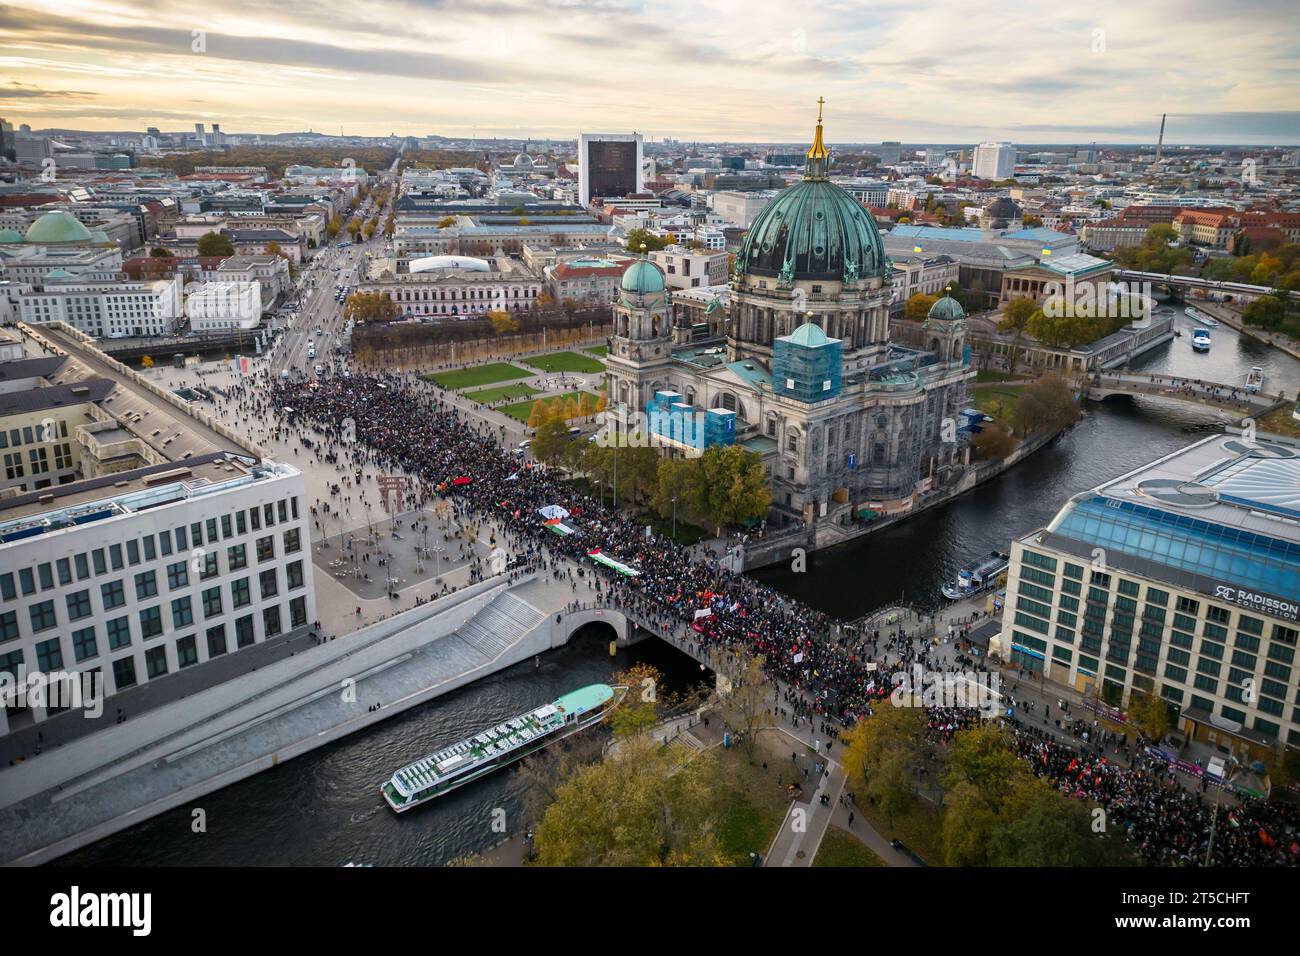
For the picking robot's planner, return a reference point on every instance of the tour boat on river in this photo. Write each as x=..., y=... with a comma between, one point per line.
x=979, y=578
x=499, y=746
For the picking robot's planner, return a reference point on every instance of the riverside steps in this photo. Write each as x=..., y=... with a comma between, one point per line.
x=123, y=773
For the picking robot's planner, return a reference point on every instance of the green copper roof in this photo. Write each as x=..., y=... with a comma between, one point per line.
x=809, y=335
x=643, y=277
x=10, y=235
x=57, y=226
x=813, y=230
x=947, y=309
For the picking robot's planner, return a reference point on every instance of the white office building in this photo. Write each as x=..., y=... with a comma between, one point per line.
x=221, y=306
x=135, y=580
x=994, y=161
x=106, y=309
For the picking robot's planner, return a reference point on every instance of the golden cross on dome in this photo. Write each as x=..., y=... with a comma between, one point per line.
x=820, y=101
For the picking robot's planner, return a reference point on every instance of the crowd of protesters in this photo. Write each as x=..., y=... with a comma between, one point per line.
x=829, y=673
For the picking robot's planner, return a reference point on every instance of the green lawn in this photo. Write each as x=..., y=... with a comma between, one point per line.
x=920, y=828
x=601, y=350
x=997, y=400
x=984, y=376
x=752, y=806
x=479, y=375
x=841, y=848
x=565, y=362
x=495, y=394
x=521, y=410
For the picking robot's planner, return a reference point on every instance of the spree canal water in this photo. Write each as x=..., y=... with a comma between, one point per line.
x=324, y=808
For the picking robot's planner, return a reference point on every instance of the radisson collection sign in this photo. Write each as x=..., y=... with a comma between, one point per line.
x=1254, y=601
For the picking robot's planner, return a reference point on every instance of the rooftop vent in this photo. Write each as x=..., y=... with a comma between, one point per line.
x=174, y=474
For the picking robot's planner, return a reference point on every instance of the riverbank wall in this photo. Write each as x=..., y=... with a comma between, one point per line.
x=826, y=536
x=1233, y=319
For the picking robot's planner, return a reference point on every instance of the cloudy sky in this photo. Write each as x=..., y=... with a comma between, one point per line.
x=744, y=70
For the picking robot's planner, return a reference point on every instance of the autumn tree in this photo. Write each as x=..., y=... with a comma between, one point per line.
x=551, y=440
x=636, y=238
x=882, y=754
x=1048, y=404
x=918, y=307
x=502, y=323
x=993, y=442
x=1150, y=714
x=215, y=244
x=364, y=307
x=735, y=487
x=1015, y=316
x=745, y=702
x=679, y=490
x=638, y=807
x=644, y=703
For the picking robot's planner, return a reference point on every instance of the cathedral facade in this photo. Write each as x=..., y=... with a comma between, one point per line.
x=849, y=426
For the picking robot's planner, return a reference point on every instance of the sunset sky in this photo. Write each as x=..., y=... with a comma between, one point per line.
x=941, y=71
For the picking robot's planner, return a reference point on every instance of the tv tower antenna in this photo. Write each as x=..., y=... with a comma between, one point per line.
x=1160, y=140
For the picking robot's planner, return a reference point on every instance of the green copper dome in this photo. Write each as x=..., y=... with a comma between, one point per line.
x=808, y=335
x=947, y=309
x=643, y=278
x=814, y=230
x=57, y=226
x=10, y=235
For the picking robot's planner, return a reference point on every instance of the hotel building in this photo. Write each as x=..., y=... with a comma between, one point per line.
x=1181, y=579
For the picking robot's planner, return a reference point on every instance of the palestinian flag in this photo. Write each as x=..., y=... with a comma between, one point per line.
x=559, y=527
x=600, y=558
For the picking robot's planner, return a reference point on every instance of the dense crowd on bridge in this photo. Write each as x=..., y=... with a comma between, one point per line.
x=835, y=673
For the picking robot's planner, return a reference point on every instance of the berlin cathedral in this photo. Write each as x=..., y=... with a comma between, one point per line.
x=849, y=426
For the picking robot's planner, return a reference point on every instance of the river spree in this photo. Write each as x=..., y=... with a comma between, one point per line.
x=324, y=808
x=913, y=560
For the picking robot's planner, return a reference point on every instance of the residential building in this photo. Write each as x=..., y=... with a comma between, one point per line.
x=686, y=268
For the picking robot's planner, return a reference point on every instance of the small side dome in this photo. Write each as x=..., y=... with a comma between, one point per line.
x=946, y=309
x=10, y=235
x=808, y=335
x=643, y=278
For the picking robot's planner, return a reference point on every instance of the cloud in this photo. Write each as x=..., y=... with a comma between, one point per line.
x=20, y=91
x=741, y=70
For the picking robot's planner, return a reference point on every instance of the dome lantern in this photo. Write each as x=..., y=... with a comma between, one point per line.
x=813, y=230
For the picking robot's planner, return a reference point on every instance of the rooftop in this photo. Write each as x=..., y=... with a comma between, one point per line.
x=1219, y=512
x=94, y=499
